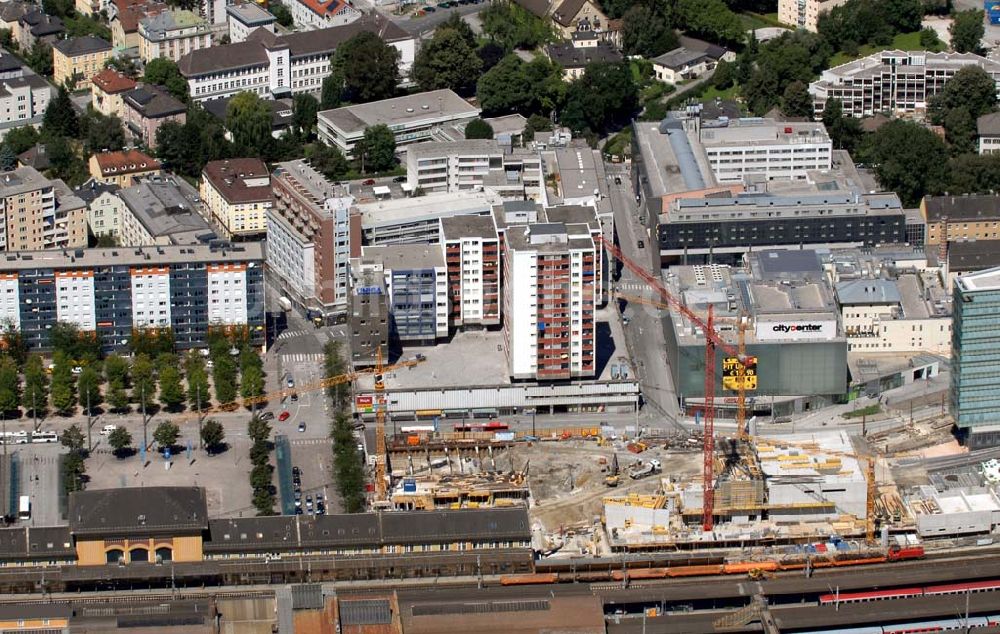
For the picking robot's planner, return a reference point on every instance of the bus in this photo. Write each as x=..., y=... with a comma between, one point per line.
x=24, y=507
x=44, y=437
x=417, y=429
x=493, y=425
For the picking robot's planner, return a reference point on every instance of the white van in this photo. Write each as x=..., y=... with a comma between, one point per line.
x=107, y=429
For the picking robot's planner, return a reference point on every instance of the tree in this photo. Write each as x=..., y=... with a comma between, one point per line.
x=330, y=93
x=929, y=40
x=100, y=133
x=510, y=26
x=40, y=58
x=960, y=131
x=120, y=440
x=455, y=22
x=74, y=469
x=369, y=68
x=64, y=161
x=248, y=119
x=447, y=61
x=282, y=13
x=89, y=387
x=797, y=102
x=60, y=117
x=10, y=385
x=116, y=370
x=58, y=8
x=118, y=396
x=725, y=75
x=304, y=109
x=792, y=57
x=328, y=161
x=166, y=434
x=478, y=129
x=490, y=54
x=258, y=429
x=261, y=476
x=605, y=97
x=21, y=139
x=163, y=71
x=910, y=160
x=63, y=388
x=143, y=381
x=36, y=384
x=224, y=375
x=710, y=19
x=73, y=438
x=187, y=148
x=13, y=344
x=8, y=160
x=171, y=390
x=526, y=88
x=971, y=88
x=251, y=382
x=197, y=380
x=377, y=149
x=123, y=64
x=645, y=32
x=213, y=435
x=967, y=30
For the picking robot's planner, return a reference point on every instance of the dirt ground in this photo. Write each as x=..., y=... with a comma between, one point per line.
x=567, y=482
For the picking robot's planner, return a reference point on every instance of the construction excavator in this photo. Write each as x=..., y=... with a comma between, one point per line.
x=613, y=478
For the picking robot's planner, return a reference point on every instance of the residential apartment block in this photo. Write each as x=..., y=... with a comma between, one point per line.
x=122, y=167
x=173, y=34
x=413, y=118
x=416, y=282
x=988, y=131
x=125, y=20
x=117, y=290
x=369, y=316
x=551, y=277
x=23, y=101
x=975, y=355
x=310, y=15
x=148, y=107
x=106, y=90
x=275, y=66
x=39, y=213
x=77, y=59
x=471, y=249
x=773, y=149
x=474, y=165
x=237, y=192
x=160, y=212
x=803, y=14
x=312, y=235
x=104, y=208
x=893, y=81
x=960, y=218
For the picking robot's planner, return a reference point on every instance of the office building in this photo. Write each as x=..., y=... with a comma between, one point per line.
x=161, y=212
x=310, y=15
x=474, y=165
x=122, y=167
x=146, y=108
x=39, y=213
x=237, y=192
x=77, y=59
x=173, y=34
x=471, y=250
x=312, y=235
x=23, y=100
x=369, y=316
x=246, y=17
x=114, y=291
x=803, y=14
x=416, y=219
x=106, y=90
x=275, y=66
x=416, y=283
x=895, y=82
x=975, y=357
x=413, y=118
x=896, y=315
x=551, y=282
x=775, y=150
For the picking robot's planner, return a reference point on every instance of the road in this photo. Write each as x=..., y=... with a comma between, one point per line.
x=425, y=25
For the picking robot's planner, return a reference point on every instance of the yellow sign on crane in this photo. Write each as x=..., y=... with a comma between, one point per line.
x=731, y=373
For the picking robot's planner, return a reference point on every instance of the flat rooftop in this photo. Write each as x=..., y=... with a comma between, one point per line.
x=117, y=256
x=467, y=147
x=310, y=182
x=662, y=166
x=407, y=111
x=988, y=280
x=757, y=131
x=168, y=208
x=458, y=227
x=250, y=13
x=380, y=213
x=405, y=256
x=581, y=172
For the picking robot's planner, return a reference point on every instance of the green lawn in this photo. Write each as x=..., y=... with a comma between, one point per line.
x=756, y=21
x=903, y=42
x=712, y=93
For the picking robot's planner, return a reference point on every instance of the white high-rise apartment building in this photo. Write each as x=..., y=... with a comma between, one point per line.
x=804, y=13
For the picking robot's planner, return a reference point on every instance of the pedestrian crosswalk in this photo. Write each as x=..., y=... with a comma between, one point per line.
x=301, y=358
x=311, y=441
x=291, y=334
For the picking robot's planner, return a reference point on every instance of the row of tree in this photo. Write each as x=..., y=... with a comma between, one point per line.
x=347, y=463
x=262, y=472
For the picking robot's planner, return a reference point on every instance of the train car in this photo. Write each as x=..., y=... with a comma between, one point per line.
x=873, y=595
x=898, y=553
x=640, y=573
x=851, y=630
x=944, y=625
x=962, y=588
x=528, y=580
x=743, y=567
x=695, y=571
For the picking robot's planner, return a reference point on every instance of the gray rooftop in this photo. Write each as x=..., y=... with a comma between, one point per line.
x=250, y=14
x=434, y=105
x=868, y=292
x=168, y=208
x=435, y=149
x=786, y=264
x=405, y=256
x=579, y=171
x=22, y=180
x=85, y=45
x=458, y=227
x=569, y=56
x=131, y=511
x=988, y=280
x=679, y=58
x=988, y=124
x=126, y=256
x=759, y=131
x=310, y=181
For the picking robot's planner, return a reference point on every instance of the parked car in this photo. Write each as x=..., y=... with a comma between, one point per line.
x=290, y=382
x=399, y=179
x=618, y=180
x=320, y=508
x=295, y=398
x=302, y=427
x=370, y=181
x=296, y=471
x=642, y=245
x=309, y=502
x=267, y=415
x=429, y=9
x=284, y=416
x=107, y=429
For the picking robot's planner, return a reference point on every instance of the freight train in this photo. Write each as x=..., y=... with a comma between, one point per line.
x=581, y=573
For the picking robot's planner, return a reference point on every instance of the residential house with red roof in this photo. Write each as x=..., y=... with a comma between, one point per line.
x=310, y=15
x=122, y=168
x=125, y=23
x=238, y=193
x=106, y=90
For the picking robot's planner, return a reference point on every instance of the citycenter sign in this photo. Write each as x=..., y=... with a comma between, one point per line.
x=795, y=330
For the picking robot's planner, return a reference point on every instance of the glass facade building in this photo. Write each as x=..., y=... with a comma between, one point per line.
x=975, y=360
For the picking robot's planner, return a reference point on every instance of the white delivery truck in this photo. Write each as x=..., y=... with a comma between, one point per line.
x=24, y=507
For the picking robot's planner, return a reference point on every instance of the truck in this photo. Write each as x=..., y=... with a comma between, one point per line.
x=643, y=469
x=285, y=303
x=24, y=507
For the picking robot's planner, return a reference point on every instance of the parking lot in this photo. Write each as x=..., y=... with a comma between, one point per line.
x=39, y=479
